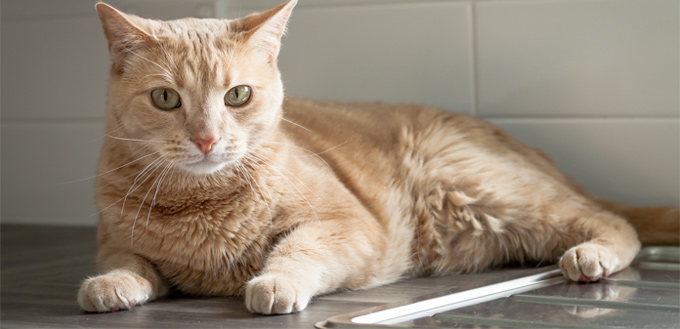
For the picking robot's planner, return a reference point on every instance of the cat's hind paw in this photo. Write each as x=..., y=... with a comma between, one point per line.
x=111, y=292
x=588, y=262
x=276, y=294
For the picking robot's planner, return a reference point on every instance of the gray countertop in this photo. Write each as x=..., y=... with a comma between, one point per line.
x=42, y=267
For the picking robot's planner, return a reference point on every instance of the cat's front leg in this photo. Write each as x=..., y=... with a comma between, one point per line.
x=315, y=258
x=128, y=280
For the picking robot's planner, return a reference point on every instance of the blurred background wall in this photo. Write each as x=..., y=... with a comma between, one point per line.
x=595, y=83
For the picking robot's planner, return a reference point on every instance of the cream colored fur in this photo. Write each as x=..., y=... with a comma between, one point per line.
x=296, y=198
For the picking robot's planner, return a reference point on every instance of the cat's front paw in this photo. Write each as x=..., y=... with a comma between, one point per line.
x=588, y=262
x=111, y=292
x=276, y=294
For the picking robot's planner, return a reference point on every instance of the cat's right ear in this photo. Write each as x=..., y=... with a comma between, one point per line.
x=124, y=33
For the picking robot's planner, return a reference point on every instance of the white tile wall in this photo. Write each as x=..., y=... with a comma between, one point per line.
x=48, y=72
x=47, y=169
x=409, y=53
x=578, y=58
x=595, y=83
x=635, y=161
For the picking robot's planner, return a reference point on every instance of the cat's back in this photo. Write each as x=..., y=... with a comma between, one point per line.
x=382, y=128
x=370, y=146
x=391, y=132
x=419, y=167
x=363, y=143
x=373, y=125
x=372, y=122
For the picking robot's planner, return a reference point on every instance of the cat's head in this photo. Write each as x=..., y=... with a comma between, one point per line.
x=200, y=93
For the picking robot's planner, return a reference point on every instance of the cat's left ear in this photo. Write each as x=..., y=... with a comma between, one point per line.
x=264, y=30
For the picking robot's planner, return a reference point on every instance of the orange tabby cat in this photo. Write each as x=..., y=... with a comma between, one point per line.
x=214, y=184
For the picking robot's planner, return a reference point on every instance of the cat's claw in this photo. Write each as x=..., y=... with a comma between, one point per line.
x=275, y=294
x=588, y=262
x=111, y=293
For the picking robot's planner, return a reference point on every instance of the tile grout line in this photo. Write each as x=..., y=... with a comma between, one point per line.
x=66, y=120
x=365, y=4
x=73, y=120
x=473, y=59
x=581, y=119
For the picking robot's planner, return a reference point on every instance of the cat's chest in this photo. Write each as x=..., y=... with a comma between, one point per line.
x=205, y=258
x=211, y=247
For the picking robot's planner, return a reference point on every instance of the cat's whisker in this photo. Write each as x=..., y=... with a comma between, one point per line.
x=309, y=151
x=141, y=204
x=289, y=184
x=109, y=171
x=167, y=79
x=166, y=53
x=254, y=160
x=103, y=136
x=164, y=173
x=231, y=52
x=126, y=178
x=136, y=140
x=150, y=61
x=275, y=165
x=329, y=149
x=245, y=172
x=122, y=179
x=144, y=173
x=296, y=124
x=120, y=126
x=240, y=169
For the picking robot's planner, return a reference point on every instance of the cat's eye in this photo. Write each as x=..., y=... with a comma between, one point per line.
x=166, y=98
x=237, y=96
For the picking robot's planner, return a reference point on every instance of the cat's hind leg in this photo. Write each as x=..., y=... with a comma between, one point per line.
x=611, y=245
x=484, y=199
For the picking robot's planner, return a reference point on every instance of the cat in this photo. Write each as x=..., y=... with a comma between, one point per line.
x=212, y=183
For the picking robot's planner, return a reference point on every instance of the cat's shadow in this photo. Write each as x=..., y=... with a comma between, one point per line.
x=220, y=307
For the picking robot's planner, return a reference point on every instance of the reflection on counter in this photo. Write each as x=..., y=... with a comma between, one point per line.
x=645, y=295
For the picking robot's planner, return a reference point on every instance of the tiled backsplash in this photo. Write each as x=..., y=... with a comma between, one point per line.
x=595, y=83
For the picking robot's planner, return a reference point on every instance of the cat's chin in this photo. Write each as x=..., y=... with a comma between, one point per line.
x=204, y=167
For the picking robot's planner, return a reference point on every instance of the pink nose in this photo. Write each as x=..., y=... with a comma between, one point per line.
x=205, y=144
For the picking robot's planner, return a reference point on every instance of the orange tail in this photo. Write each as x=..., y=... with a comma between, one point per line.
x=654, y=225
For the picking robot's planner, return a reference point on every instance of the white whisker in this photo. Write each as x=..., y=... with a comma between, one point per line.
x=291, y=122
x=310, y=152
x=165, y=76
x=288, y=171
x=135, y=140
x=134, y=222
x=166, y=53
x=152, y=62
x=155, y=163
x=245, y=172
x=265, y=159
x=108, y=132
x=110, y=171
x=158, y=186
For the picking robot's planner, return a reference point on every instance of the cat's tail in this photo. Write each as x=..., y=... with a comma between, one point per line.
x=654, y=225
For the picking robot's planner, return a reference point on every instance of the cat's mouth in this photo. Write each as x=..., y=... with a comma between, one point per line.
x=205, y=166
x=211, y=163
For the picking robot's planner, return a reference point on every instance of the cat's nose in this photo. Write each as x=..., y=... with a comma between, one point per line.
x=205, y=143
